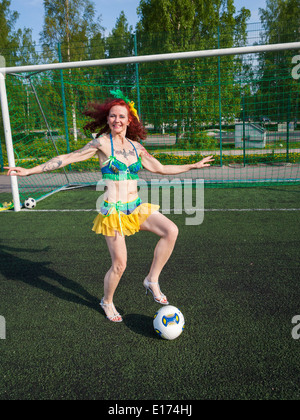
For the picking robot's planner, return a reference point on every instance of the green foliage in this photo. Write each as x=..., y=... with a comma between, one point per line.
x=167, y=26
x=281, y=25
x=197, y=141
x=8, y=39
x=252, y=159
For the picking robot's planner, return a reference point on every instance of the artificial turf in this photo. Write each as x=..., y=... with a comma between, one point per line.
x=235, y=278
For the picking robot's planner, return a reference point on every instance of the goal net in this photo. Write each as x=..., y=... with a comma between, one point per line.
x=235, y=107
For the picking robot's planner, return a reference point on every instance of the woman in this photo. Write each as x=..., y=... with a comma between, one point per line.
x=122, y=213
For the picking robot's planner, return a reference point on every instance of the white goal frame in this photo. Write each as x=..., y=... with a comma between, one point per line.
x=109, y=62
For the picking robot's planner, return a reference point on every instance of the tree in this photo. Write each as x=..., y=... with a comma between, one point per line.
x=281, y=21
x=277, y=88
x=120, y=43
x=70, y=23
x=8, y=39
x=168, y=26
x=17, y=48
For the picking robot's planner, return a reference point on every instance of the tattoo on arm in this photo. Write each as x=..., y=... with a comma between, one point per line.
x=146, y=153
x=53, y=164
x=94, y=144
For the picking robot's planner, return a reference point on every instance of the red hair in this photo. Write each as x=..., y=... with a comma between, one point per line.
x=99, y=113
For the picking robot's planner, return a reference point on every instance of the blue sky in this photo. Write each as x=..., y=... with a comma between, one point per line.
x=32, y=11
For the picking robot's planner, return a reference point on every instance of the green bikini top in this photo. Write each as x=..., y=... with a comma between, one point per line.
x=117, y=170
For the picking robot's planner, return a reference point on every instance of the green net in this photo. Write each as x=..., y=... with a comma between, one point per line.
x=243, y=110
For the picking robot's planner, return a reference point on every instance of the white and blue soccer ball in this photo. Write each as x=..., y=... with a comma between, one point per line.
x=169, y=322
x=29, y=203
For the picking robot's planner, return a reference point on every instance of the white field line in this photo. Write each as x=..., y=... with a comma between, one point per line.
x=163, y=210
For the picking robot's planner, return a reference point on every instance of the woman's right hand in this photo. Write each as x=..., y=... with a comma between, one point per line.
x=18, y=171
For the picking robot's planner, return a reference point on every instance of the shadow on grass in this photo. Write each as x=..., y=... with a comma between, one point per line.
x=39, y=275
x=140, y=324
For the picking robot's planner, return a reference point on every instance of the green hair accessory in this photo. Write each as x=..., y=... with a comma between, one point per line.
x=120, y=95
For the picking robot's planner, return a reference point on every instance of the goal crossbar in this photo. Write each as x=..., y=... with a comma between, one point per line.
x=153, y=58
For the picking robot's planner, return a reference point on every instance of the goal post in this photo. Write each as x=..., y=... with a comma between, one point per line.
x=159, y=87
x=9, y=142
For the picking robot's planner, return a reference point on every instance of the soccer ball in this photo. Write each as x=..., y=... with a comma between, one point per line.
x=30, y=203
x=168, y=322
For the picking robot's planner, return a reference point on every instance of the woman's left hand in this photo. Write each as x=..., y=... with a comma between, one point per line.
x=204, y=162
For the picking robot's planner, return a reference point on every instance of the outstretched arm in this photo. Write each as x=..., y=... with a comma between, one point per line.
x=88, y=151
x=153, y=165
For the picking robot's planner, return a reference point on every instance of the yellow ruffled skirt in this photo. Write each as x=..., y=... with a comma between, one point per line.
x=125, y=218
